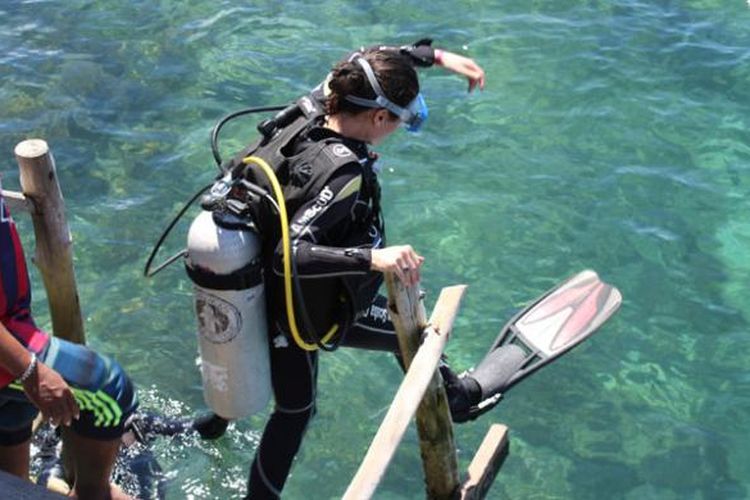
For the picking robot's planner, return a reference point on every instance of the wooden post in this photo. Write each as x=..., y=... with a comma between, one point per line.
x=417, y=379
x=53, y=255
x=434, y=423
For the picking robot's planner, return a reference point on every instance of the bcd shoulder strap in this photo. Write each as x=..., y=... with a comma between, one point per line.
x=276, y=134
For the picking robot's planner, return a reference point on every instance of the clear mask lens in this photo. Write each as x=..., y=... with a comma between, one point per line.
x=418, y=113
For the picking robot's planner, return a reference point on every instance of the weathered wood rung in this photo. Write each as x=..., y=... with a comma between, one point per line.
x=17, y=202
x=486, y=463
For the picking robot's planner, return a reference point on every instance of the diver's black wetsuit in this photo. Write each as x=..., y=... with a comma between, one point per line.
x=332, y=235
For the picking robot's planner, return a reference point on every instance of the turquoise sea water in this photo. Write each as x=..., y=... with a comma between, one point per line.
x=611, y=135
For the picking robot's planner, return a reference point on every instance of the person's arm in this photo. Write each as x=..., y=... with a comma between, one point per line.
x=424, y=55
x=44, y=387
x=14, y=357
x=332, y=212
x=462, y=66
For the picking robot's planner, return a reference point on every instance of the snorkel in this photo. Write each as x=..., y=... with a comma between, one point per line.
x=412, y=116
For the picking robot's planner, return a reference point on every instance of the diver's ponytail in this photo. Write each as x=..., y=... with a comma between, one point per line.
x=347, y=78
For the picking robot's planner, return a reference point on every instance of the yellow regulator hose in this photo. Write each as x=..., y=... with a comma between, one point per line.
x=287, y=256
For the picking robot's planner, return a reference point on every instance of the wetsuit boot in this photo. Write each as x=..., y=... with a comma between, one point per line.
x=210, y=426
x=477, y=391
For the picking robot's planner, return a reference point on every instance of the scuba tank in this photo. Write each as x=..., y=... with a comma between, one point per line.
x=223, y=261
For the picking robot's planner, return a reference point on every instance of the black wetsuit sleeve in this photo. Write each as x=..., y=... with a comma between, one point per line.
x=422, y=53
x=319, y=224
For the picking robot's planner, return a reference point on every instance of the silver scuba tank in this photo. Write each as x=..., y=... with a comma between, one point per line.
x=224, y=265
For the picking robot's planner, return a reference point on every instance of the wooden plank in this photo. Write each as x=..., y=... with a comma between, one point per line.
x=397, y=419
x=486, y=463
x=53, y=254
x=418, y=377
x=446, y=309
x=17, y=202
x=434, y=422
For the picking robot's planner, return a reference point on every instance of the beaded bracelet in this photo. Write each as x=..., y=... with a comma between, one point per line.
x=29, y=369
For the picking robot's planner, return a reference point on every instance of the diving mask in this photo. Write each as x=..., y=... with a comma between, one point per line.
x=412, y=116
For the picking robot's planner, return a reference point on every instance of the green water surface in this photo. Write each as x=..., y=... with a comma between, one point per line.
x=610, y=135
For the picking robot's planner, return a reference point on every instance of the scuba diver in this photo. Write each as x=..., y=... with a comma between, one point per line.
x=293, y=230
x=319, y=148
x=338, y=237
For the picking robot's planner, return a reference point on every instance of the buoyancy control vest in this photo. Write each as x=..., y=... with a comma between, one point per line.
x=303, y=163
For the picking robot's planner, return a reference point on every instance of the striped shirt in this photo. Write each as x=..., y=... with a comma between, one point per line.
x=15, y=292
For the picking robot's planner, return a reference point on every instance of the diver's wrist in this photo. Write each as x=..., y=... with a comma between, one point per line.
x=438, y=57
x=367, y=258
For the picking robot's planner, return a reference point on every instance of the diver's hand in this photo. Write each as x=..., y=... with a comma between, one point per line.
x=462, y=66
x=51, y=394
x=401, y=260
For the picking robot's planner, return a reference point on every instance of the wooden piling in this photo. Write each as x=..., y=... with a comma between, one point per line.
x=54, y=253
x=434, y=423
x=418, y=378
x=422, y=344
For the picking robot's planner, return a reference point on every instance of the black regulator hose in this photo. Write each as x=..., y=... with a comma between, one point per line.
x=303, y=311
x=147, y=269
x=215, y=150
x=217, y=128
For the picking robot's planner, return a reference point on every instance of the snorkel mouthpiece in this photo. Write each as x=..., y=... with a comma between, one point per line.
x=413, y=116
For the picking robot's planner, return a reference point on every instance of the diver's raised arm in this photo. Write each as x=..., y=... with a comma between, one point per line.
x=461, y=65
x=424, y=55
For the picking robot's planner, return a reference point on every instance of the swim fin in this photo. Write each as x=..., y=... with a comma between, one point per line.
x=550, y=326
